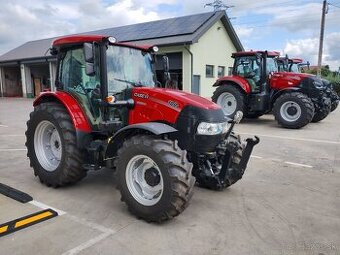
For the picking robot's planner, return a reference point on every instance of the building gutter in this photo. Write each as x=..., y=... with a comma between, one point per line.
x=191, y=65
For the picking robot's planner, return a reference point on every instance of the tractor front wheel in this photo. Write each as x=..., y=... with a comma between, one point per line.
x=293, y=110
x=334, y=105
x=321, y=113
x=154, y=177
x=230, y=99
x=51, y=146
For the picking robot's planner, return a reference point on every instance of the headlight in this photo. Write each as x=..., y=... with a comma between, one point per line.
x=206, y=128
x=318, y=84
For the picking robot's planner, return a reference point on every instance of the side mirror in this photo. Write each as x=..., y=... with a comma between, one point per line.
x=238, y=117
x=89, y=59
x=89, y=69
x=88, y=52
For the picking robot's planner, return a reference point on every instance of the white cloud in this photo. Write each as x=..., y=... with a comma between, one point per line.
x=308, y=50
x=244, y=32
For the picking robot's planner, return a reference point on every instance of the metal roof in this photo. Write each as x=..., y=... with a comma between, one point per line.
x=174, y=31
x=253, y=53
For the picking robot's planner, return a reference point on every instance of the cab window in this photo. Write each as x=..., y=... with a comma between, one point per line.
x=73, y=78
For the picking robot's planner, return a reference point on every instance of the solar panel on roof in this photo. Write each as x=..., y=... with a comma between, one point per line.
x=156, y=29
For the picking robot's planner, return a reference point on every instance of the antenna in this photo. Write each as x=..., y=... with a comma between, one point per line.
x=218, y=5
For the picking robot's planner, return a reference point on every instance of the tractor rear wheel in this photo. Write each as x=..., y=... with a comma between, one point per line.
x=321, y=113
x=230, y=99
x=334, y=105
x=293, y=110
x=51, y=146
x=154, y=177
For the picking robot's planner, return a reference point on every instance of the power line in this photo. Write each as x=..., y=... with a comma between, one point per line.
x=265, y=5
x=283, y=18
x=284, y=23
x=334, y=5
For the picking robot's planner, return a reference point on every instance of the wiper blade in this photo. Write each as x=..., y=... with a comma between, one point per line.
x=129, y=82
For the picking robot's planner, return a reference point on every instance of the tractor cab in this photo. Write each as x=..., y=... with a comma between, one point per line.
x=293, y=65
x=100, y=74
x=258, y=85
x=255, y=67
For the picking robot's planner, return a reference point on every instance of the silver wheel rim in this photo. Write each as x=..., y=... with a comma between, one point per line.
x=47, y=145
x=141, y=191
x=228, y=103
x=290, y=111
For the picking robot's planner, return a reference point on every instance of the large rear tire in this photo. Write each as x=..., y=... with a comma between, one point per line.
x=51, y=146
x=293, y=110
x=230, y=98
x=334, y=105
x=321, y=113
x=154, y=177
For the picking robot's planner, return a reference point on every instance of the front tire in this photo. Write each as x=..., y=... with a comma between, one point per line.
x=334, y=105
x=154, y=177
x=230, y=99
x=293, y=110
x=51, y=146
x=321, y=113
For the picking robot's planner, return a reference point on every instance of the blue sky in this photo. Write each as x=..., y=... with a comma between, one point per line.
x=291, y=27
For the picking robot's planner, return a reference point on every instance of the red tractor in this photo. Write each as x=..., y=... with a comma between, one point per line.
x=294, y=65
x=257, y=87
x=108, y=112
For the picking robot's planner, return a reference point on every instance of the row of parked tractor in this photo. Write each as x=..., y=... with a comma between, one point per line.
x=263, y=82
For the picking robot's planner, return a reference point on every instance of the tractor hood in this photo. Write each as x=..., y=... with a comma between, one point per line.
x=281, y=80
x=155, y=104
x=179, y=98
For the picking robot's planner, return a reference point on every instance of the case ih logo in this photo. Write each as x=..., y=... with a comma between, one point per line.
x=140, y=95
x=173, y=104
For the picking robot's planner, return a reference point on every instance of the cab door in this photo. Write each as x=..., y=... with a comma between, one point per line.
x=75, y=81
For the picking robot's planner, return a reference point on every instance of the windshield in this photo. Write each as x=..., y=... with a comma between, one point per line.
x=128, y=67
x=271, y=65
x=294, y=68
x=247, y=65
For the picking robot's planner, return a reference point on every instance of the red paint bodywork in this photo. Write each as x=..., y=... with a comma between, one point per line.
x=152, y=104
x=283, y=80
x=78, y=117
x=253, y=53
x=79, y=39
x=242, y=82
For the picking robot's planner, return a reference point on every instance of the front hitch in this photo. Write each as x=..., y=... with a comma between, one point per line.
x=231, y=173
x=251, y=142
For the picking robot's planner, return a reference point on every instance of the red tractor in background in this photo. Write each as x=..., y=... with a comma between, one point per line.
x=108, y=112
x=294, y=65
x=257, y=87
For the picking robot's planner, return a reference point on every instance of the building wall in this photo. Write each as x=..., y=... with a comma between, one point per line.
x=1, y=82
x=213, y=48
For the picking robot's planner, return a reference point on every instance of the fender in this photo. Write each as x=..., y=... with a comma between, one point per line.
x=237, y=80
x=278, y=93
x=78, y=117
x=117, y=139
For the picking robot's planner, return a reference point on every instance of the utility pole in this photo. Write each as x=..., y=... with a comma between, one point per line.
x=322, y=31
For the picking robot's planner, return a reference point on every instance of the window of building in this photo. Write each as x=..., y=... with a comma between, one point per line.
x=230, y=71
x=220, y=71
x=209, y=71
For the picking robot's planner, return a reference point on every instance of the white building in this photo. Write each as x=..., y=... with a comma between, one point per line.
x=199, y=48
